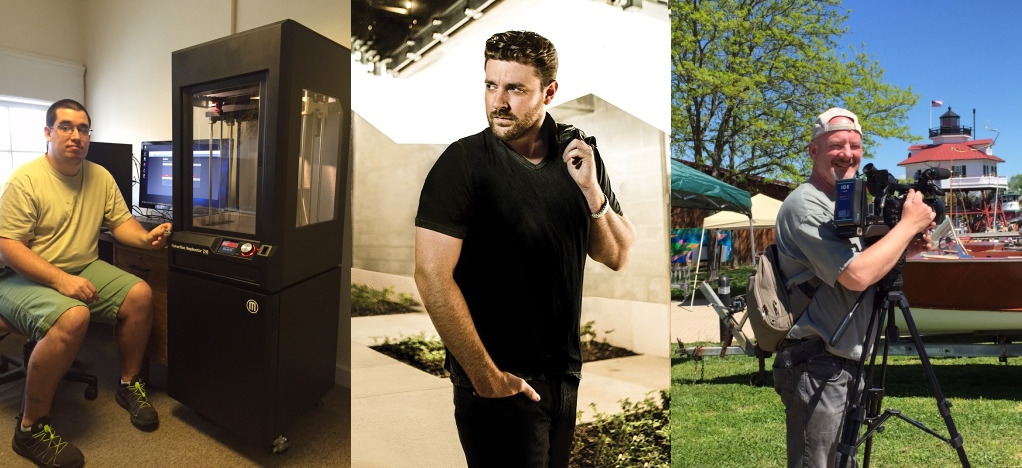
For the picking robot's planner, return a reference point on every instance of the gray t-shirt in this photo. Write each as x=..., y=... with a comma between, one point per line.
x=809, y=247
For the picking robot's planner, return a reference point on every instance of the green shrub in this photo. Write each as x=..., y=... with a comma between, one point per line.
x=366, y=301
x=588, y=334
x=637, y=437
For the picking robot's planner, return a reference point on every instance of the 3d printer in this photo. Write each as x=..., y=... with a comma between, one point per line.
x=254, y=284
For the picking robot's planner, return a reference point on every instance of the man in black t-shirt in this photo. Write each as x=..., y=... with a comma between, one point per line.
x=506, y=219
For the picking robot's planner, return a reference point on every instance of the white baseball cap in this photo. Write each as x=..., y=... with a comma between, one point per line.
x=822, y=124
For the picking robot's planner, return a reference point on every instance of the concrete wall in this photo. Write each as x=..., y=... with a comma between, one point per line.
x=386, y=182
x=125, y=47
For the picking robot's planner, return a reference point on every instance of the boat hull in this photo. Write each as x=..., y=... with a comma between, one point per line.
x=981, y=295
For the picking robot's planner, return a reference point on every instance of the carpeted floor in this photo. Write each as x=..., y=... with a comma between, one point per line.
x=101, y=429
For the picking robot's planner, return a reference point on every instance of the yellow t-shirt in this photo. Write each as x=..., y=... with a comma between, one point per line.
x=59, y=216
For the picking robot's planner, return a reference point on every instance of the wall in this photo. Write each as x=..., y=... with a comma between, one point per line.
x=386, y=182
x=129, y=47
x=46, y=27
x=126, y=46
x=42, y=54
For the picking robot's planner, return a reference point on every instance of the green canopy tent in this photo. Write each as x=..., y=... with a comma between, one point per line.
x=691, y=188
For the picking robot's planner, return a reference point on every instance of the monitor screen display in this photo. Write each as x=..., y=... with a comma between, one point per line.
x=156, y=181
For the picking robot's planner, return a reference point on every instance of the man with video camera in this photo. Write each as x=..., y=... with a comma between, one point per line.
x=812, y=376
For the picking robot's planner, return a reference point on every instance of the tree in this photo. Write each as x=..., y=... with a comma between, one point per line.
x=749, y=77
x=1015, y=183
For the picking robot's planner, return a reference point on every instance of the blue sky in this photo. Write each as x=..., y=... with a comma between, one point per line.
x=967, y=54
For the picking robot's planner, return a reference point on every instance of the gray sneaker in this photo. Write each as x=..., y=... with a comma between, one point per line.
x=132, y=397
x=44, y=447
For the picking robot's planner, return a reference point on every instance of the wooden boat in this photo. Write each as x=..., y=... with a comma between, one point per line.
x=959, y=295
x=992, y=244
x=948, y=292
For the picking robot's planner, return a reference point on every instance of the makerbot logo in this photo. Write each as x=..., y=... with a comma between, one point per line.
x=252, y=306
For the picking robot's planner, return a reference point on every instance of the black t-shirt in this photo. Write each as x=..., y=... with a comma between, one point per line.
x=525, y=233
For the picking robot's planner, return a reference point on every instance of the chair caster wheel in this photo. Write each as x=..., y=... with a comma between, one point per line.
x=91, y=392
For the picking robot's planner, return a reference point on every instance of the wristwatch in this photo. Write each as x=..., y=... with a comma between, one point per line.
x=603, y=209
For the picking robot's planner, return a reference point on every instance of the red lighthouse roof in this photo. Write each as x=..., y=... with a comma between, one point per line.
x=968, y=150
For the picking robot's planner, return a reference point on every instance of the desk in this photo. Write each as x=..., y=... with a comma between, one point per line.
x=151, y=266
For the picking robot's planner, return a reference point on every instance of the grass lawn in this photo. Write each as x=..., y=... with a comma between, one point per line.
x=738, y=277
x=719, y=420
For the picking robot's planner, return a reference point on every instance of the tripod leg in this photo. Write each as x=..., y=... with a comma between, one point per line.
x=874, y=396
x=855, y=414
x=943, y=405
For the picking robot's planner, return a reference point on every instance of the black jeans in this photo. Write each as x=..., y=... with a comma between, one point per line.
x=516, y=431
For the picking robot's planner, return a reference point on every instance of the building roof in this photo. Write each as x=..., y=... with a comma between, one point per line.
x=964, y=151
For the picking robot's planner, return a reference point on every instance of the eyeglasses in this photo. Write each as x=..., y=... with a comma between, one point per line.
x=65, y=129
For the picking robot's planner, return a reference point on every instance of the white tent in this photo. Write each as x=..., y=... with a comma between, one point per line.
x=764, y=215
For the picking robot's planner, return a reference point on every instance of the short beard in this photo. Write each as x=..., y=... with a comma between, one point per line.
x=519, y=126
x=514, y=132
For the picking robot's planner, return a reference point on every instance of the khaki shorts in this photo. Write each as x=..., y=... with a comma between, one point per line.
x=33, y=308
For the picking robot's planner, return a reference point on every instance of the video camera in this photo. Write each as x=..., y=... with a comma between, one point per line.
x=854, y=218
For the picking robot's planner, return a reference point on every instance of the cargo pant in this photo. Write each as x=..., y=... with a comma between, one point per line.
x=813, y=385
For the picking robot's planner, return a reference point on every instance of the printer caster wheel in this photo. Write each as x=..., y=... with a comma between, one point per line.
x=280, y=445
x=91, y=392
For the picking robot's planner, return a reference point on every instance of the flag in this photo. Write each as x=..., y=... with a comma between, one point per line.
x=936, y=103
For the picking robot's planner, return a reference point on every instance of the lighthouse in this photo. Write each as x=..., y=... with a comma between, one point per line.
x=974, y=190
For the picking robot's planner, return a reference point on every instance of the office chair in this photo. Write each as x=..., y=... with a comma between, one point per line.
x=8, y=374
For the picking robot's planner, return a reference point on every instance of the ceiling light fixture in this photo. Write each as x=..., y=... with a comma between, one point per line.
x=443, y=26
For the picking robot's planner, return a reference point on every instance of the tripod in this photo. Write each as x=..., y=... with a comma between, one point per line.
x=867, y=408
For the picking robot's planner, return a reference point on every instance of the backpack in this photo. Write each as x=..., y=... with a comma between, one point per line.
x=772, y=308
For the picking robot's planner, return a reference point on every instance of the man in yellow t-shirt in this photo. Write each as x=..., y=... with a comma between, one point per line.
x=52, y=283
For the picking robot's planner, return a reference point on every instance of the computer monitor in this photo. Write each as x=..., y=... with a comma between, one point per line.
x=116, y=158
x=156, y=168
x=155, y=175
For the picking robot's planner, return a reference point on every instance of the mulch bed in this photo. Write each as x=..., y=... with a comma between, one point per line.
x=598, y=351
x=593, y=351
x=381, y=308
x=402, y=354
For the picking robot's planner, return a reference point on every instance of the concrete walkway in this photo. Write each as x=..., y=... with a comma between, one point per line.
x=402, y=416
x=697, y=322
